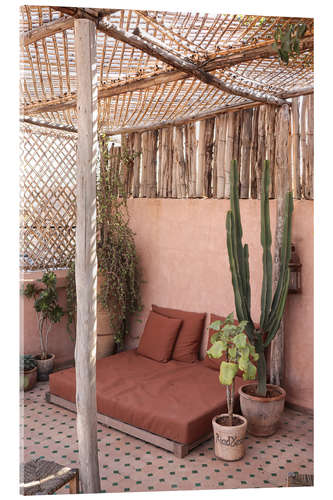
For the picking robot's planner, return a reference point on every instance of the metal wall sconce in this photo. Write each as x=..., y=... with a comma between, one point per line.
x=295, y=272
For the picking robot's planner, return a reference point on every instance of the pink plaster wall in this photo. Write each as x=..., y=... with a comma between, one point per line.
x=59, y=342
x=182, y=248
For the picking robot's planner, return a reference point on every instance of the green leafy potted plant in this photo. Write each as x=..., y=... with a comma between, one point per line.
x=261, y=403
x=48, y=313
x=28, y=372
x=231, y=344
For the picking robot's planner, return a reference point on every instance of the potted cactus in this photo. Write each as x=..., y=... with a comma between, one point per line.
x=230, y=344
x=28, y=369
x=261, y=403
x=48, y=313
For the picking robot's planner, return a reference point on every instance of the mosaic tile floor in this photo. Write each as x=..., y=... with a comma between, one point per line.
x=128, y=464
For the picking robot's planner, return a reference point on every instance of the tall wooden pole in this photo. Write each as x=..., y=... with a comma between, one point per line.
x=86, y=259
x=282, y=187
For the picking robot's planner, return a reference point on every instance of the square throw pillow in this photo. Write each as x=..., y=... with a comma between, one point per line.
x=158, y=337
x=189, y=338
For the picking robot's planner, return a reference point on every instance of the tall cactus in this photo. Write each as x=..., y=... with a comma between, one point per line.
x=271, y=310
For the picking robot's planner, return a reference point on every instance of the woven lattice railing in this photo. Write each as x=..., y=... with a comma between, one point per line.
x=47, y=211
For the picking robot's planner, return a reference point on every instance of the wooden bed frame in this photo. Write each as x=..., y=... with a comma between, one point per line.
x=178, y=449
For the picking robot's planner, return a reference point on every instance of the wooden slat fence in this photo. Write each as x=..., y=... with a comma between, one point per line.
x=193, y=160
x=189, y=161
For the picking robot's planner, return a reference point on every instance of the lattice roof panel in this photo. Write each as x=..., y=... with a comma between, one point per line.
x=137, y=89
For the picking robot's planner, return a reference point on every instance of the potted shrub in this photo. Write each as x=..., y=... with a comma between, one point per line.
x=119, y=275
x=28, y=369
x=261, y=403
x=231, y=344
x=48, y=313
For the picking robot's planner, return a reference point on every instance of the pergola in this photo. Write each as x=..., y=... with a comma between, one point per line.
x=112, y=71
x=155, y=69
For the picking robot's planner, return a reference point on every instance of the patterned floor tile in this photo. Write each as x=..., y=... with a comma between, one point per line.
x=128, y=464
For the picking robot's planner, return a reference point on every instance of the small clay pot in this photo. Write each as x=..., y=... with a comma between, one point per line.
x=105, y=340
x=262, y=413
x=45, y=366
x=28, y=379
x=229, y=439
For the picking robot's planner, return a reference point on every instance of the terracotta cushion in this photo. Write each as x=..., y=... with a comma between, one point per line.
x=215, y=363
x=175, y=400
x=159, y=337
x=189, y=338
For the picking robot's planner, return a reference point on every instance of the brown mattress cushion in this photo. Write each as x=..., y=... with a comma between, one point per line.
x=189, y=338
x=174, y=400
x=159, y=337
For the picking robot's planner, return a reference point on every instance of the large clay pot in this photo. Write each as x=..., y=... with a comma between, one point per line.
x=44, y=366
x=28, y=379
x=262, y=413
x=229, y=439
x=105, y=340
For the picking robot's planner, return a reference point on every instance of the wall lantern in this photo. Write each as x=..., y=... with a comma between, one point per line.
x=295, y=272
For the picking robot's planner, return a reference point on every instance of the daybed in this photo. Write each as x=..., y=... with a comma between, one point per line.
x=142, y=392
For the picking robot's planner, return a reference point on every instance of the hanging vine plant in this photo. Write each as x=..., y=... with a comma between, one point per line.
x=116, y=253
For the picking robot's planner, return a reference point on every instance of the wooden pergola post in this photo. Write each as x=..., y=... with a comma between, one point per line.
x=86, y=259
x=282, y=187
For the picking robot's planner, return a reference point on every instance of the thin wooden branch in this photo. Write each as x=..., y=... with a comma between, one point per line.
x=136, y=164
x=47, y=125
x=191, y=156
x=166, y=162
x=296, y=150
x=220, y=142
x=309, y=191
x=254, y=152
x=145, y=42
x=179, y=164
x=246, y=133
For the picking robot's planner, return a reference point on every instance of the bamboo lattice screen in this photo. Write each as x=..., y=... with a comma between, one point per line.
x=188, y=161
x=48, y=206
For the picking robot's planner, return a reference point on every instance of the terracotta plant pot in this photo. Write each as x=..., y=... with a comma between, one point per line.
x=28, y=379
x=229, y=440
x=105, y=340
x=44, y=366
x=262, y=414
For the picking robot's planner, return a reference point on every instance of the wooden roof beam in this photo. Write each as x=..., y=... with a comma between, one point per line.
x=182, y=120
x=146, y=43
x=91, y=14
x=262, y=51
x=47, y=29
x=63, y=23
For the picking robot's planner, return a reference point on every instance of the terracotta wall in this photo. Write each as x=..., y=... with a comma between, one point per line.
x=59, y=340
x=182, y=247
